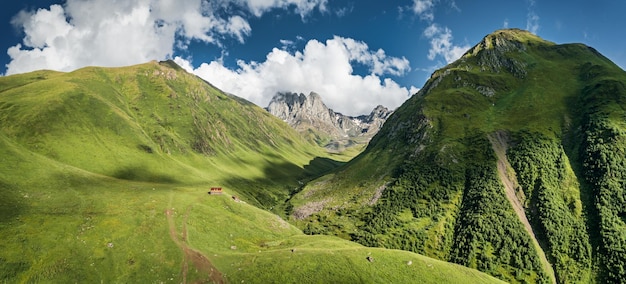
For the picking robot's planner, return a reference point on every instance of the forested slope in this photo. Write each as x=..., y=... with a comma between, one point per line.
x=429, y=182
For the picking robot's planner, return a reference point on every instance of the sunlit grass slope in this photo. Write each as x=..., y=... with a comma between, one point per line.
x=151, y=122
x=104, y=178
x=61, y=224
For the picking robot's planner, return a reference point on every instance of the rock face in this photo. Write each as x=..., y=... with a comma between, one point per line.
x=309, y=115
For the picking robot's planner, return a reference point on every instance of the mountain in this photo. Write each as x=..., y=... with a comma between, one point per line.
x=151, y=122
x=105, y=174
x=310, y=116
x=509, y=160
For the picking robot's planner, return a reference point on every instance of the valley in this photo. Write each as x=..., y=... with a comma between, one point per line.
x=507, y=166
x=105, y=173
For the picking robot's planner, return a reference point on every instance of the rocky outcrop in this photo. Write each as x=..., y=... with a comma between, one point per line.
x=308, y=114
x=492, y=49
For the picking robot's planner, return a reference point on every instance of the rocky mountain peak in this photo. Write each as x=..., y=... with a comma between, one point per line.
x=493, y=50
x=308, y=114
x=294, y=108
x=381, y=112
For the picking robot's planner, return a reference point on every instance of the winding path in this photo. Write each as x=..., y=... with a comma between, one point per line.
x=199, y=261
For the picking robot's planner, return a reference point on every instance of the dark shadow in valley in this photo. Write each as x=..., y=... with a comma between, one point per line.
x=280, y=181
x=320, y=166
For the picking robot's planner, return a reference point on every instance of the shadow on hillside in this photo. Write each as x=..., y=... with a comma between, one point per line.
x=11, y=204
x=320, y=166
x=280, y=180
x=141, y=174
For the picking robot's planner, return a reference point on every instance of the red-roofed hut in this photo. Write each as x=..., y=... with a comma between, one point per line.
x=215, y=190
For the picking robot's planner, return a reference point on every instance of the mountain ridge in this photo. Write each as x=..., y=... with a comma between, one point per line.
x=441, y=191
x=309, y=115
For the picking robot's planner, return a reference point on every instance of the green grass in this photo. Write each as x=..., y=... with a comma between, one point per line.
x=426, y=154
x=65, y=219
x=266, y=244
x=153, y=123
x=104, y=170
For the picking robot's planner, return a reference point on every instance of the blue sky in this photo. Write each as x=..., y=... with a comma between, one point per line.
x=355, y=54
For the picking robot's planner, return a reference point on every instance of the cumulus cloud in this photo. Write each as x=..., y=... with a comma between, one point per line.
x=323, y=67
x=441, y=44
x=116, y=33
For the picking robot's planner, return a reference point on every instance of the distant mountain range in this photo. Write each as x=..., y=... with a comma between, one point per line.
x=310, y=116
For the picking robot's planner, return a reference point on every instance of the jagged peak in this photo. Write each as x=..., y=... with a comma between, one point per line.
x=291, y=99
x=314, y=96
x=308, y=114
x=380, y=109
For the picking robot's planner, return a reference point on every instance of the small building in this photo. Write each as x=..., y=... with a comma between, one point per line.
x=215, y=190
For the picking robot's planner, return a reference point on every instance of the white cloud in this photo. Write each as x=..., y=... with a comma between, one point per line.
x=441, y=44
x=302, y=7
x=321, y=67
x=424, y=9
x=117, y=33
x=505, y=24
x=532, y=22
x=42, y=28
x=238, y=27
x=96, y=35
x=344, y=11
x=287, y=44
x=378, y=61
x=413, y=90
x=440, y=37
x=532, y=19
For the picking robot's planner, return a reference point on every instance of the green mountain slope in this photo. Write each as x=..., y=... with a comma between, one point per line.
x=151, y=122
x=509, y=160
x=105, y=173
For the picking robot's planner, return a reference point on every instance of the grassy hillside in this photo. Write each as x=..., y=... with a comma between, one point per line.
x=62, y=224
x=105, y=173
x=151, y=122
x=500, y=159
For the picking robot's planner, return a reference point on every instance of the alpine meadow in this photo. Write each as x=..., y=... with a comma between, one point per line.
x=509, y=165
x=105, y=176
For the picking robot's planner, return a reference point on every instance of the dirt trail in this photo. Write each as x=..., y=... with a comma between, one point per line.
x=199, y=261
x=499, y=144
